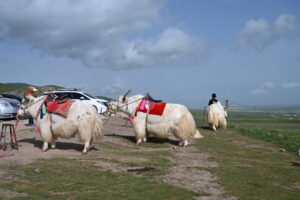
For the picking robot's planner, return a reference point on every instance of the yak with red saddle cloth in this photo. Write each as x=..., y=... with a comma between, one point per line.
x=60, y=107
x=151, y=107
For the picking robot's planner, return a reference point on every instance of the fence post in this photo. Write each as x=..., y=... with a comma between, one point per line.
x=204, y=112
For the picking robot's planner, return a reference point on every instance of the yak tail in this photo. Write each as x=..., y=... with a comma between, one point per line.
x=98, y=128
x=197, y=134
x=213, y=120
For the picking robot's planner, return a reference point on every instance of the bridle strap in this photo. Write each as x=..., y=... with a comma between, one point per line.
x=130, y=102
x=33, y=104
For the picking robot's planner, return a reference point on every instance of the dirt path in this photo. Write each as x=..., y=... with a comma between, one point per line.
x=188, y=164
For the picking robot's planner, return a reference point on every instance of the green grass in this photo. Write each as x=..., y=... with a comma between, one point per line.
x=248, y=168
x=287, y=138
x=71, y=179
x=7, y=88
x=275, y=127
x=263, y=117
x=251, y=169
x=250, y=164
x=148, y=158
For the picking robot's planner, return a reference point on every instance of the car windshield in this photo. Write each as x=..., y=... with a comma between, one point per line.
x=89, y=95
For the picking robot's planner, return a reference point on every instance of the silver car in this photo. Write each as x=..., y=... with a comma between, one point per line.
x=8, y=108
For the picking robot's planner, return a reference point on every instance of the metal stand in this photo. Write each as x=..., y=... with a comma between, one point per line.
x=13, y=137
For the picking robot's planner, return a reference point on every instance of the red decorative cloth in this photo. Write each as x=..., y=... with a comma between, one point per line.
x=59, y=108
x=151, y=107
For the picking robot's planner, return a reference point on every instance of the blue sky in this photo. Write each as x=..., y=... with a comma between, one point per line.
x=179, y=51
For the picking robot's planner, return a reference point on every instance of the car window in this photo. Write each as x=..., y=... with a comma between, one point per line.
x=89, y=95
x=62, y=94
x=78, y=96
x=70, y=95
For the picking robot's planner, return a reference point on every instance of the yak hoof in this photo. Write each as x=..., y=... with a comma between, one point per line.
x=84, y=153
x=44, y=150
x=183, y=143
x=139, y=141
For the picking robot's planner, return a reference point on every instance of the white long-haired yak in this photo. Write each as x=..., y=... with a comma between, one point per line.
x=82, y=119
x=216, y=116
x=175, y=119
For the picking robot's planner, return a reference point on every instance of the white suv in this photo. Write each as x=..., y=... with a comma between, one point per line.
x=81, y=96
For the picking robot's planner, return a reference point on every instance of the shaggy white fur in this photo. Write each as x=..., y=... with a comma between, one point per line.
x=216, y=117
x=176, y=120
x=82, y=119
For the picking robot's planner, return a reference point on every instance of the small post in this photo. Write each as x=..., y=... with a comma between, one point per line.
x=204, y=112
x=226, y=104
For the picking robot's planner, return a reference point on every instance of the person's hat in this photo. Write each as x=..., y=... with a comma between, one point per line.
x=31, y=89
x=214, y=95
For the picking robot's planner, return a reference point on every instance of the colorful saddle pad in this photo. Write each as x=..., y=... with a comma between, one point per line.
x=59, y=108
x=151, y=107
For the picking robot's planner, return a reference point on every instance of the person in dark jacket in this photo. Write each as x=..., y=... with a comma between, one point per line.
x=213, y=99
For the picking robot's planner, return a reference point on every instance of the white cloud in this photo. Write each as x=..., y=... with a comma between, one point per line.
x=173, y=47
x=258, y=91
x=98, y=33
x=260, y=34
x=268, y=85
x=118, y=87
x=263, y=88
x=290, y=85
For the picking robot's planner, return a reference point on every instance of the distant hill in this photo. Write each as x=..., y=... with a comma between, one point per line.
x=7, y=88
x=105, y=98
x=283, y=109
x=20, y=88
x=47, y=88
x=17, y=85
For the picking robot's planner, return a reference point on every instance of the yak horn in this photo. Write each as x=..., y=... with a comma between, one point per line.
x=125, y=95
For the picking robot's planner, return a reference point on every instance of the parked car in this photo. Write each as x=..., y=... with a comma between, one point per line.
x=12, y=96
x=104, y=100
x=81, y=96
x=8, y=108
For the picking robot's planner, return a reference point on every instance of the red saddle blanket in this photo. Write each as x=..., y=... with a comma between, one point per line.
x=59, y=108
x=151, y=107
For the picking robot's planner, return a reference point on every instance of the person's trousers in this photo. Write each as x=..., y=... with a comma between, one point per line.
x=30, y=120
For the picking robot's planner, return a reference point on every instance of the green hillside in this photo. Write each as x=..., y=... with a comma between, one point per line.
x=20, y=88
x=17, y=85
x=8, y=88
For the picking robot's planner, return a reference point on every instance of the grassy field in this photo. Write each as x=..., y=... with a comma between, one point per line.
x=281, y=128
x=251, y=166
x=72, y=179
x=251, y=169
x=278, y=127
